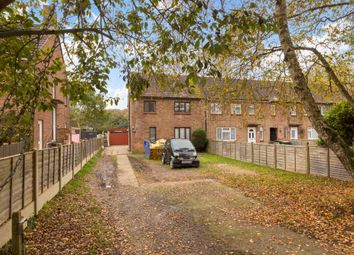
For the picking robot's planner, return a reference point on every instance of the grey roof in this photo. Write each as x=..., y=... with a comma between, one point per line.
x=216, y=89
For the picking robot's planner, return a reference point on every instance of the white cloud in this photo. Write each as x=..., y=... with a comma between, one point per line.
x=122, y=93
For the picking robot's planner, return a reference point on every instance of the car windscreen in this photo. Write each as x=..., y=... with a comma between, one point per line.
x=182, y=145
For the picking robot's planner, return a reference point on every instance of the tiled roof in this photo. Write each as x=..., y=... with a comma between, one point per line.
x=212, y=88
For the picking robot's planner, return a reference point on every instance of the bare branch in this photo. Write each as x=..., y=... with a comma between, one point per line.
x=13, y=33
x=319, y=8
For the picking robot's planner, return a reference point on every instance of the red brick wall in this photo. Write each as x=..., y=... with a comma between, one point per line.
x=262, y=118
x=62, y=110
x=165, y=120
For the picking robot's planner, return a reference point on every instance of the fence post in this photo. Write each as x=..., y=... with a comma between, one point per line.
x=328, y=163
x=285, y=157
x=235, y=150
x=266, y=155
x=294, y=158
x=81, y=155
x=252, y=153
x=18, y=247
x=259, y=153
x=23, y=179
x=275, y=156
x=307, y=158
x=60, y=166
x=73, y=159
x=11, y=186
x=222, y=149
x=35, y=181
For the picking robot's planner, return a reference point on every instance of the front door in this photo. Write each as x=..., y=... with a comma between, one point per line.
x=252, y=134
x=40, y=134
x=273, y=134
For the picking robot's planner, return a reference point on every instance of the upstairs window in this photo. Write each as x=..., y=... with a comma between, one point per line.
x=251, y=109
x=293, y=110
x=183, y=107
x=236, y=109
x=272, y=109
x=215, y=108
x=149, y=106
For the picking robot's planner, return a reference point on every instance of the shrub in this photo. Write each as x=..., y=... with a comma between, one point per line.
x=199, y=139
x=341, y=118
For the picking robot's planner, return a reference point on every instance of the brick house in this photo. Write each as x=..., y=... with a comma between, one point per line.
x=53, y=125
x=49, y=126
x=163, y=114
x=261, y=119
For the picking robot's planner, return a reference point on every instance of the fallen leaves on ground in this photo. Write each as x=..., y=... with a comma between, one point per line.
x=321, y=208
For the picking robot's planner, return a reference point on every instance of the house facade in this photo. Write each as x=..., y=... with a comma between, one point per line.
x=161, y=114
x=52, y=125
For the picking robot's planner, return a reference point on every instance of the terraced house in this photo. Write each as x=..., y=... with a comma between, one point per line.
x=257, y=118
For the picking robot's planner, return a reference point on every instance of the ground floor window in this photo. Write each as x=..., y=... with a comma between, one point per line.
x=152, y=134
x=225, y=133
x=261, y=132
x=183, y=132
x=312, y=134
x=293, y=133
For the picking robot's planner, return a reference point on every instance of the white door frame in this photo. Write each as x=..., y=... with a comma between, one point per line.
x=40, y=134
x=251, y=134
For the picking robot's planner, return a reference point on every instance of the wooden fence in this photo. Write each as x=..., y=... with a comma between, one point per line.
x=306, y=159
x=38, y=177
x=11, y=149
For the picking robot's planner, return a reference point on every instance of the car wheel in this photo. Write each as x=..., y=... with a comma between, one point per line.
x=171, y=164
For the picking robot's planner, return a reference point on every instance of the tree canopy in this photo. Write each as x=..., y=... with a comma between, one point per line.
x=287, y=41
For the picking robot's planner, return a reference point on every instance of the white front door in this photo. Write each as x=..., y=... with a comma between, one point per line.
x=40, y=134
x=252, y=134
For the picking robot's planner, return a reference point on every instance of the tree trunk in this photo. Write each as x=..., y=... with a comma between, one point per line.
x=330, y=136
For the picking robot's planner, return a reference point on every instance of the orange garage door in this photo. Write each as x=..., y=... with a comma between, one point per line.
x=118, y=136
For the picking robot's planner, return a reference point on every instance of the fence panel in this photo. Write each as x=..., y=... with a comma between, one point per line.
x=11, y=149
x=336, y=168
x=293, y=158
x=290, y=161
x=19, y=192
x=301, y=159
x=318, y=161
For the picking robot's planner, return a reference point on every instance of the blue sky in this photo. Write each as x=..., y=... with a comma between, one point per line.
x=117, y=87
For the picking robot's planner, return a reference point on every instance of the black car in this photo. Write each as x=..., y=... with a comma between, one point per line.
x=180, y=152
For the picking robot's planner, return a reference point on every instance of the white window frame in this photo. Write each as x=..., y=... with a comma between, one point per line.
x=236, y=109
x=251, y=109
x=215, y=108
x=225, y=130
x=296, y=133
x=186, y=132
x=312, y=134
x=293, y=110
x=54, y=124
x=261, y=134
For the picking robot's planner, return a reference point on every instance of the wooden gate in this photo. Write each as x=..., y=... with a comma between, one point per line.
x=118, y=136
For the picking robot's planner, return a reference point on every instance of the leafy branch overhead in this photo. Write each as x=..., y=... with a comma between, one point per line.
x=287, y=42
